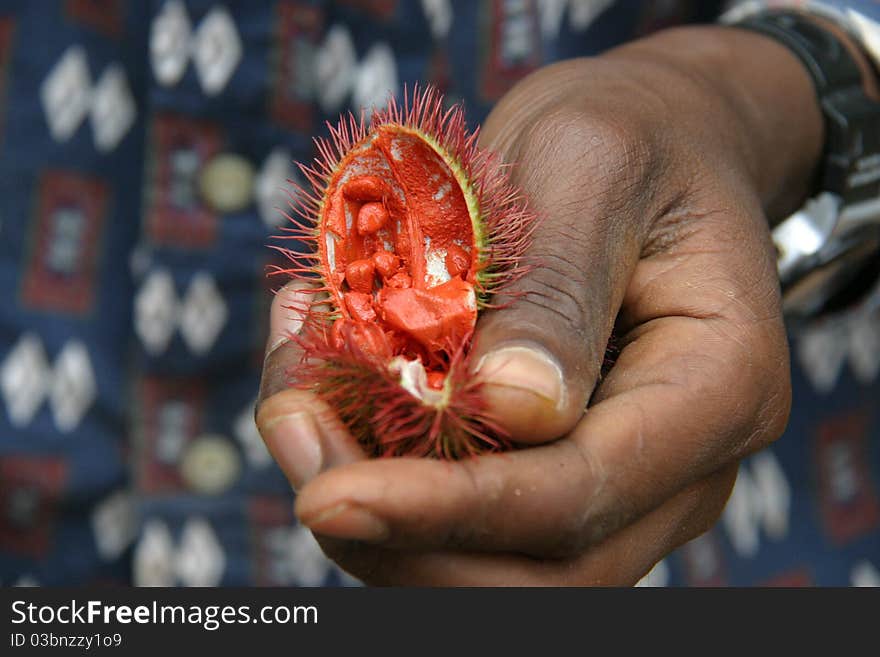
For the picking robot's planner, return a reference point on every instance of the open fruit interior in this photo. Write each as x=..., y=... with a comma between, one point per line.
x=400, y=252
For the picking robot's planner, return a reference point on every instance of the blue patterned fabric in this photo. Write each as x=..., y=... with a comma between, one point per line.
x=142, y=149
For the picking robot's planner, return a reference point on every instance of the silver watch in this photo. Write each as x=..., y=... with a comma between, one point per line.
x=826, y=251
x=829, y=250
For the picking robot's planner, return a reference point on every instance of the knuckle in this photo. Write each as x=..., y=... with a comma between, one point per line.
x=557, y=288
x=702, y=505
x=768, y=381
x=484, y=491
x=712, y=497
x=621, y=149
x=569, y=542
x=603, y=509
x=592, y=150
x=774, y=409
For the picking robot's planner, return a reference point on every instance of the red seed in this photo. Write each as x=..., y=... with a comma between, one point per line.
x=371, y=338
x=359, y=275
x=360, y=306
x=432, y=316
x=400, y=280
x=368, y=337
x=371, y=217
x=386, y=263
x=365, y=188
x=457, y=260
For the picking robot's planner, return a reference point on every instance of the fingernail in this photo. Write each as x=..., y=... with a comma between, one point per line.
x=275, y=342
x=526, y=369
x=295, y=442
x=347, y=521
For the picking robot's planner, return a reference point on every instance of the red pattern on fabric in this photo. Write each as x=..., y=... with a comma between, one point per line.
x=62, y=262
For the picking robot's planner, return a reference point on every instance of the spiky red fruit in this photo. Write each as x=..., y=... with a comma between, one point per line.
x=412, y=230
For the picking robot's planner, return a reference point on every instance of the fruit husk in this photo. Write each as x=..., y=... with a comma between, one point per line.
x=388, y=346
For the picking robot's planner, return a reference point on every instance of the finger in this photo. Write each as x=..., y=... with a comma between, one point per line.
x=586, y=178
x=687, y=396
x=301, y=432
x=304, y=436
x=621, y=560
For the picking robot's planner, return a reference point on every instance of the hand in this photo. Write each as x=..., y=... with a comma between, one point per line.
x=655, y=167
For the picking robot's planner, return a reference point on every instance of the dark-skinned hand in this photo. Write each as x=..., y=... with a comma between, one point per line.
x=656, y=168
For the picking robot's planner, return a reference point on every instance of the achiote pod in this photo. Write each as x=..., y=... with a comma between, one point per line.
x=410, y=231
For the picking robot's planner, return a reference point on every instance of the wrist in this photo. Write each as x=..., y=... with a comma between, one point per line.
x=757, y=99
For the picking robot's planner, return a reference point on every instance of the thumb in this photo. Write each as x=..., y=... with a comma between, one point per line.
x=538, y=368
x=540, y=355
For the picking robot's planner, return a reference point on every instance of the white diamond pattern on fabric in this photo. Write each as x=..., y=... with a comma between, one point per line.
x=852, y=337
x=154, y=556
x=761, y=500
x=864, y=347
x=68, y=97
x=370, y=82
x=24, y=379
x=66, y=93
x=335, y=64
x=203, y=313
x=307, y=563
x=73, y=387
x=376, y=78
x=156, y=311
x=248, y=436
x=113, y=108
x=170, y=43
x=114, y=524
x=217, y=50
x=821, y=352
x=439, y=14
x=271, y=186
x=551, y=13
x=27, y=379
x=200, y=558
